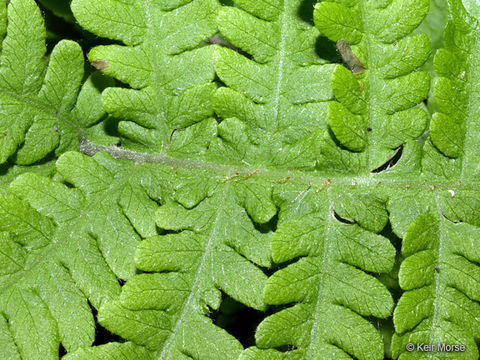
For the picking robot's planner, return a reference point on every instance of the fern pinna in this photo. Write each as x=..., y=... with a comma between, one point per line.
x=169, y=74
x=268, y=119
x=259, y=171
x=43, y=109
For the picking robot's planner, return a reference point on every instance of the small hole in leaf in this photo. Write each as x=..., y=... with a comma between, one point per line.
x=391, y=162
x=286, y=348
x=452, y=221
x=335, y=140
x=167, y=232
x=173, y=133
x=342, y=220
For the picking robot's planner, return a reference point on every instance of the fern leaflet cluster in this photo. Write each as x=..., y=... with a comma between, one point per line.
x=265, y=171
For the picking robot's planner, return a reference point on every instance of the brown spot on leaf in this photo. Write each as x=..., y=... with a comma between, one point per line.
x=101, y=65
x=349, y=58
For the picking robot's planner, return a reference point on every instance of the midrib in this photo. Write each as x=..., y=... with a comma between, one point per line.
x=438, y=283
x=164, y=355
x=281, y=64
x=236, y=172
x=42, y=108
x=321, y=285
x=371, y=81
x=156, y=81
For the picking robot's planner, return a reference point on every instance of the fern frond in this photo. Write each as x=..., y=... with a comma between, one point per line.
x=433, y=26
x=275, y=102
x=328, y=284
x=453, y=151
x=71, y=244
x=271, y=187
x=213, y=249
x=375, y=111
x=9, y=173
x=170, y=75
x=440, y=275
x=39, y=108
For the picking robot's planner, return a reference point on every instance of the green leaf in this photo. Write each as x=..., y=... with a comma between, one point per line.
x=213, y=248
x=67, y=245
x=253, y=173
x=257, y=354
x=8, y=172
x=6, y=341
x=30, y=323
x=472, y=7
x=269, y=118
x=453, y=134
x=441, y=281
x=376, y=111
x=328, y=283
x=39, y=111
x=170, y=75
x=117, y=351
x=433, y=26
